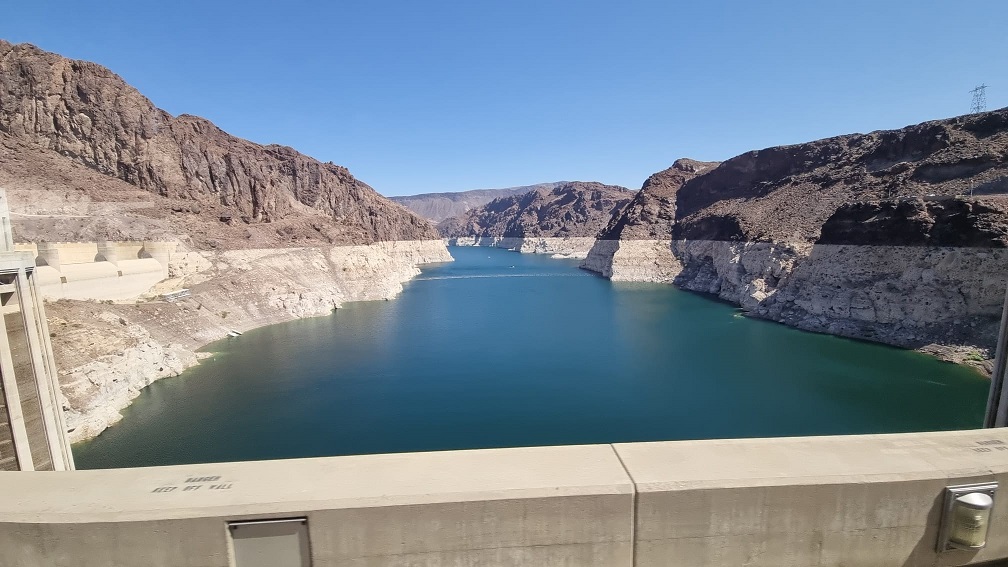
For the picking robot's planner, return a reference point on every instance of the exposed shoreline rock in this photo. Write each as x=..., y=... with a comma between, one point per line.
x=558, y=247
x=633, y=260
x=107, y=353
x=897, y=236
x=944, y=301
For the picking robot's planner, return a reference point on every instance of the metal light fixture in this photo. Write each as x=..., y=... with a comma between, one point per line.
x=966, y=517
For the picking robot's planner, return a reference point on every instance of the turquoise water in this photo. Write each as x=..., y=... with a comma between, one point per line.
x=501, y=349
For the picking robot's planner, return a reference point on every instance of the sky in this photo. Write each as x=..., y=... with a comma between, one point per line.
x=429, y=96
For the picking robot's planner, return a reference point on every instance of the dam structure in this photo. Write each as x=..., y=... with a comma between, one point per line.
x=102, y=270
x=32, y=432
x=858, y=500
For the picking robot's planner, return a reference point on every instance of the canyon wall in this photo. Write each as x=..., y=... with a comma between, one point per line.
x=896, y=236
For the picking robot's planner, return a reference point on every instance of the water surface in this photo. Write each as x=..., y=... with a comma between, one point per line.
x=500, y=349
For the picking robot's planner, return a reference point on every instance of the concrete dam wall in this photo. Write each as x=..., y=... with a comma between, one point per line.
x=99, y=270
x=852, y=501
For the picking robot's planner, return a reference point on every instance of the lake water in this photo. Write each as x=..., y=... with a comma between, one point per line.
x=500, y=349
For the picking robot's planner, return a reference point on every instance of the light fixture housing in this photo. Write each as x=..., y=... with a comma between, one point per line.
x=965, y=518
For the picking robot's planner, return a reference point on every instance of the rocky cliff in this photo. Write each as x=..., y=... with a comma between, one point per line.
x=644, y=229
x=787, y=193
x=439, y=206
x=652, y=211
x=84, y=112
x=894, y=236
x=266, y=233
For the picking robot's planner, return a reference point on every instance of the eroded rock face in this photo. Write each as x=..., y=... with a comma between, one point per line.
x=787, y=193
x=946, y=221
x=575, y=209
x=652, y=212
x=895, y=236
x=87, y=113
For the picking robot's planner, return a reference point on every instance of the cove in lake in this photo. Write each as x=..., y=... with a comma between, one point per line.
x=500, y=349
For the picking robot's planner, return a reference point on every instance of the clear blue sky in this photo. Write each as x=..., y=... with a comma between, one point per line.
x=422, y=96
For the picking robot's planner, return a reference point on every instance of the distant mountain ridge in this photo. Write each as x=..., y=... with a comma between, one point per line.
x=439, y=206
x=574, y=209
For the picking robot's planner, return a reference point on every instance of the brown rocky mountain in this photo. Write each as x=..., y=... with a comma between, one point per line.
x=575, y=209
x=787, y=193
x=651, y=213
x=439, y=206
x=57, y=114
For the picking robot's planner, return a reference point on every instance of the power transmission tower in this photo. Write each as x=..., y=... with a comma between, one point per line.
x=979, y=99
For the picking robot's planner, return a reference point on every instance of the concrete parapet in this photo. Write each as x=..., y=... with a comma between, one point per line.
x=856, y=501
x=27, y=247
x=534, y=506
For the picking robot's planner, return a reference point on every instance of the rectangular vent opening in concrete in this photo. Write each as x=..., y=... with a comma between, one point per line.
x=271, y=543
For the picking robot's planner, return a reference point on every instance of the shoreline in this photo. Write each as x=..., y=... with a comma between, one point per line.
x=655, y=261
x=108, y=352
x=157, y=346
x=934, y=300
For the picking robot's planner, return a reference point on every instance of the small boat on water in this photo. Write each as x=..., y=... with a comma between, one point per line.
x=233, y=333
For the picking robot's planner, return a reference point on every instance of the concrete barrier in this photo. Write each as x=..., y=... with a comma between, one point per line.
x=848, y=500
x=827, y=501
x=535, y=506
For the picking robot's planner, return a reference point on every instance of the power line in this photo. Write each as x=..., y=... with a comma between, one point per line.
x=979, y=99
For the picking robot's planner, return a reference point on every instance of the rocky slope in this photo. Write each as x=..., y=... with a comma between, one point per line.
x=563, y=220
x=83, y=111
x=788, y=192
x=642, y=231
x=894, y=236
x=439, y=206
x=652, y=211
x=266, y=234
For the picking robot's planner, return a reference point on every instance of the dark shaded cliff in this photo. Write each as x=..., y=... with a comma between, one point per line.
x=786, y=193
x=86, y=113
x=651, y=213
x=912, y=221
x=575, y=209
